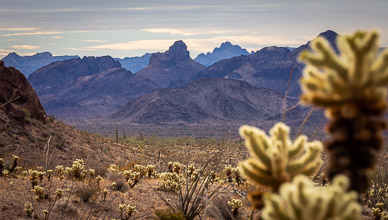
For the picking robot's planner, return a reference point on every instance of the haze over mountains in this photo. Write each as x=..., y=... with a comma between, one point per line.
x=134, y=64
x=28, y=64
x=225, y=51
x=173, y=88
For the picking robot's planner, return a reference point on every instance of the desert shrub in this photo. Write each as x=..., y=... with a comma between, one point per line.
x=219, y=209
x=86, y=191
x=65, y=207
x=168, y=214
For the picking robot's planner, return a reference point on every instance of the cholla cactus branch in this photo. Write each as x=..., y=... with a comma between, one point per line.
x=301, y=200
x=351, y=86
x=276, y=159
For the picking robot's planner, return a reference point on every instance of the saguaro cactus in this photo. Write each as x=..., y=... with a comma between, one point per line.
x=276, y=159
x=350, y=86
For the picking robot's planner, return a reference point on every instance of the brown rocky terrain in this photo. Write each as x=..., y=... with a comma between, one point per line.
x=18, y=100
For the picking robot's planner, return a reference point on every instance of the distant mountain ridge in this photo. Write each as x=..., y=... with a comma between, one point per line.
x=173, y=68
x=28, y=64
x=212, y=100
x=134, y=64
x=225, y=51
x=68, y=88
x=269, y=67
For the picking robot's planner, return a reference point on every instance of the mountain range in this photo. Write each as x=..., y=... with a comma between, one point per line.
x=173, y=88
x=134, y=64
x=225, y=51
x=213, y=100
x=269, y=67
x=28, y=64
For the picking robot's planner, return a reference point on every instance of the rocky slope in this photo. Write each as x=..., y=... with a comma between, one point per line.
x=173, y=68
x=99, y=94
x=18, y=101
x=134, y=64
x=270, y=67
x=225, y=51
x=206, y=101
x=28, y=64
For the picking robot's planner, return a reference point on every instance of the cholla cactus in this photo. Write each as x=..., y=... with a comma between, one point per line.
x=174, y=167
x=379, y=212
x=301, y=200
x=141, y=169
x=49, y=174
x=171, y=181
x=235, y=204
x=99, y=179
x=28, y=210
x=39, y=192
x=232, y=175
x=126, y=211
x=41, y=175
x=134, y=179
x=15, y=160
x=92, y=173
x=113, y=168
x=190, y=169
x=46, y=214
x=104, y=193
x=34, y=179
x=113, y=185
x=76, y=171
x=59, y=193
x=5, y=174
x=276, y=159
x=60, y=171
x=351, y=87
x=151, y=170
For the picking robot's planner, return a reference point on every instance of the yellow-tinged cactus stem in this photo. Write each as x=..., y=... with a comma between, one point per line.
x=301, y=200
x=276, y=159
x=351, y=87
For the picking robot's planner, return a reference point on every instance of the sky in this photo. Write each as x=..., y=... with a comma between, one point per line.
x=128, y=28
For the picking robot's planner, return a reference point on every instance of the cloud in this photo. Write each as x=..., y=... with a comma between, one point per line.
x=95, y=41
x=32, y=33
x=203, y=45
x=17, y=29
x=5, y=51
x=136, y=45
x=25, y=47
x=186, y=32
x=57, y=37
x=79, y=49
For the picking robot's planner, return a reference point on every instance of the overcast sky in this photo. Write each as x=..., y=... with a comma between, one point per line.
x=126, y=28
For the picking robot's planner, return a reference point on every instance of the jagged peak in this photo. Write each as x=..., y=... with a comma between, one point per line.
x=13, y=54
x=46, y=53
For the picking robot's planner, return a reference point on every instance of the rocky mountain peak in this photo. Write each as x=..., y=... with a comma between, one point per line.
x=176, y=53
